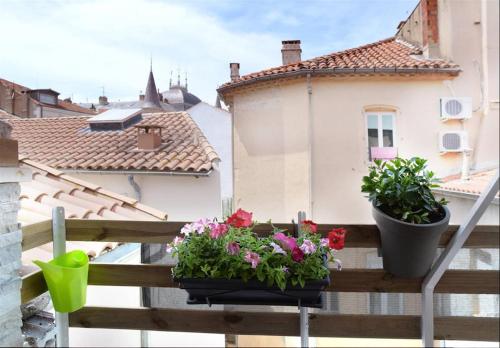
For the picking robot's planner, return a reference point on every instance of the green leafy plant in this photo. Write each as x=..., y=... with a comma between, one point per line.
x=209, y=249
x=402, y=188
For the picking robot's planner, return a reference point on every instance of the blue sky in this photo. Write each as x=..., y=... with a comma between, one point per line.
x=76, y=47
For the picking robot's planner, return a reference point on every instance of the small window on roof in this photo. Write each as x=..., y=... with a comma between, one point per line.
x=48, y=98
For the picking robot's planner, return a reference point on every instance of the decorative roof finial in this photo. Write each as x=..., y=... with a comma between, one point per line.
x=186, y=81
x=170, y=83
x=178, y=77
x=151, y=62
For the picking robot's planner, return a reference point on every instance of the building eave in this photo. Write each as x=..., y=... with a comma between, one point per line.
x=451, y=72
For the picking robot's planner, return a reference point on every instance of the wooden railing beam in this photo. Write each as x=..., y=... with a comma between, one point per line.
x=282, y=324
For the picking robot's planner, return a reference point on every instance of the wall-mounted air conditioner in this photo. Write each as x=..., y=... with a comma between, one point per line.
x=456, y=108
x=453, y=141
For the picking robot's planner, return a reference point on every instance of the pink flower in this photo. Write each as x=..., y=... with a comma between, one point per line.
x=171, y=246
x=233, y=248
x=324, y=242
x=252, y=258
x=297, y=255
x=288, y=243
x=277, y=249
x=308, y=247
x=200, y=225
x=240, y=219
x=217, y=230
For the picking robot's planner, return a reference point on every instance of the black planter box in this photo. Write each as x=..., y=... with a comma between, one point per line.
x=236, y=291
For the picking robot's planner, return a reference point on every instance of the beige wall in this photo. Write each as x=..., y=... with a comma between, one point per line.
x=271, y=148
x=183, y=198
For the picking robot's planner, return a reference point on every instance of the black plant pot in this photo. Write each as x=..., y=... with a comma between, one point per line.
x=236, y=291
x=408, y=250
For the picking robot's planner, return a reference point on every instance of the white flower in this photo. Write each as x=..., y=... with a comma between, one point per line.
x=187, y=229
x=308, y=247
x=277, y=249
x=338, y=263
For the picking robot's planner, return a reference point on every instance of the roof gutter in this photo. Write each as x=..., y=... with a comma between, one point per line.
x=342, y=71
x=137, y=172
x=466, y=195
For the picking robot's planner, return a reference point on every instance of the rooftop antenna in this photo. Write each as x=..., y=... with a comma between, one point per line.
x=178, y=77
x=170, y=83
x=103, y=91
x=186, y=81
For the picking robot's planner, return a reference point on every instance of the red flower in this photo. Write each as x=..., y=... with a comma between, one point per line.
x=336, y=238
x=240, y=219
x=309, y=226
x=297, y=254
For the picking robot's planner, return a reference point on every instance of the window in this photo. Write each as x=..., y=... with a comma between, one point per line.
x=48, y=98
x=381, y=135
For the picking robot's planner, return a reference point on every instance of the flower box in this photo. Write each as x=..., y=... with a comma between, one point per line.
x=252, y=292
x=227, y=263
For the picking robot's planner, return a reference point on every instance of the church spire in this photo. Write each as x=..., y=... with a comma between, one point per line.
x=151, y=98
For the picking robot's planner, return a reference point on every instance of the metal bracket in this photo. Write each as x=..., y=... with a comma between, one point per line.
x=444, y=260
x=304, y=311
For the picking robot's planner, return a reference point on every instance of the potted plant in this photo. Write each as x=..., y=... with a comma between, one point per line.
x=408, y=216
x=228, y=263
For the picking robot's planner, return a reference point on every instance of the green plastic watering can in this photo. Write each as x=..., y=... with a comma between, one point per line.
x=66, y=277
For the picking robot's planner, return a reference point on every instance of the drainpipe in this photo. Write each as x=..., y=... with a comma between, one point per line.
x=484, y=78
x=136, y=187
x=310, y=144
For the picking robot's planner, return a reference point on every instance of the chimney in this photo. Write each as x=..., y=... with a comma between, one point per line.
x=430, y=29
x=8, y=146
x=148, y=137
x=68, y=100
x=290, y=52
x=235, y=71
x=141, y=96
x=103, y=100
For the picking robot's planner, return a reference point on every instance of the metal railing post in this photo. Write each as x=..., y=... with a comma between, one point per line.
x=444, y=260
x=304, y=311
x=59, y=248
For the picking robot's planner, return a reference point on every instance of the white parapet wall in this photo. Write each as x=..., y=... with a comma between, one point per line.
x=10, y=256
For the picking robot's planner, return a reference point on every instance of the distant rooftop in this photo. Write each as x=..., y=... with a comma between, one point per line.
x=476, y=184
x=69, y=143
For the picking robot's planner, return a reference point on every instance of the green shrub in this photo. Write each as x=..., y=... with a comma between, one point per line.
x=401, y=188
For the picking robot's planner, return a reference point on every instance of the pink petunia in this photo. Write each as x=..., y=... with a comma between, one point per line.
x=288, y=243
x=233, y=248
x=217, y=230
x=252, y=258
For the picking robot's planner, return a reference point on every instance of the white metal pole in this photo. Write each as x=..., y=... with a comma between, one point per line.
x=304, y=312
x=59, y=248
x=447, y=256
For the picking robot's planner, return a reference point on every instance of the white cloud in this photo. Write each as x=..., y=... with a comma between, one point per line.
x=76, y=47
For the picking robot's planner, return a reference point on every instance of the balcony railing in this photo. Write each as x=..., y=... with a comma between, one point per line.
x=267, y=323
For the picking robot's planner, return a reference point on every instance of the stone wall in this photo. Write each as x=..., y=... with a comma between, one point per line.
x=10, y=262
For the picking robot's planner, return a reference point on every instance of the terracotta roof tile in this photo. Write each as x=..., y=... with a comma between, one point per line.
x=389, y=54
x=476, y=184
x=68, y=143
x=81, y=200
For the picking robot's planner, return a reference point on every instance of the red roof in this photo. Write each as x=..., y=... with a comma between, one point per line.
x=68, y=143
x=476, y=184
x=382, y=57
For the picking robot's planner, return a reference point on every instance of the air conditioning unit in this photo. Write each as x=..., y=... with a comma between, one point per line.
x=453, y=141
x=456, y=108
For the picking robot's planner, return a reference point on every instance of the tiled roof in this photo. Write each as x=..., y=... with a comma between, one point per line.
x=81, y=200
x=68, y=143
x=386, y=56
x=476, y=184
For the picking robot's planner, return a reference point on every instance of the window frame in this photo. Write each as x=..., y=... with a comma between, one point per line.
x=380, y=130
